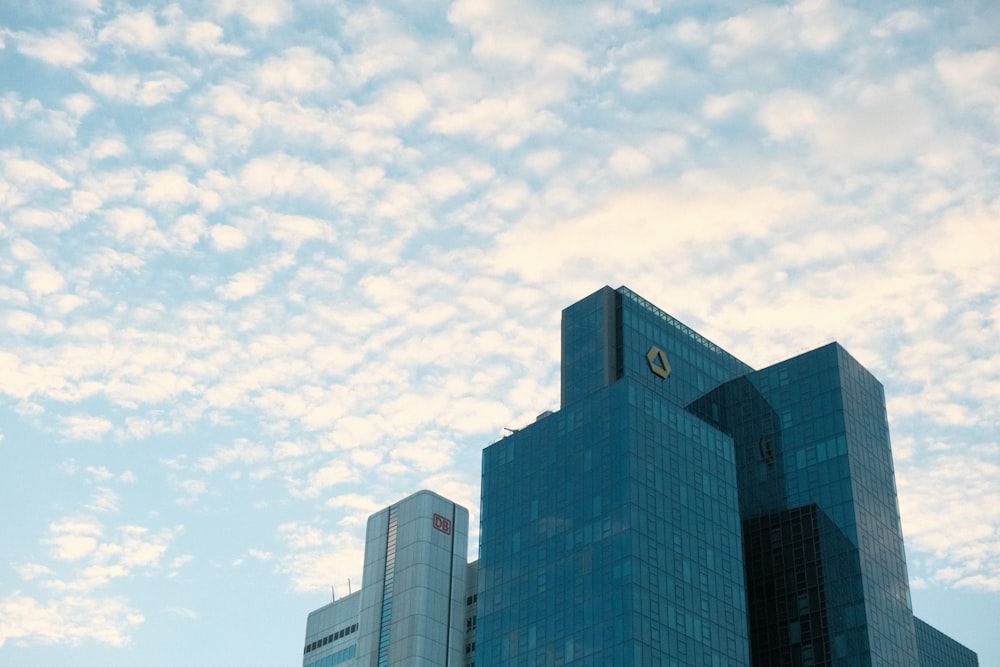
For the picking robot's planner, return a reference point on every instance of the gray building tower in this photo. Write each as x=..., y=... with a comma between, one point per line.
x=412, y=607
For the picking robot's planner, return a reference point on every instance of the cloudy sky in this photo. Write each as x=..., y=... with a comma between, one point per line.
x=267, y=266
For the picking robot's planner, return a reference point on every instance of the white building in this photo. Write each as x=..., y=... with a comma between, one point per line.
x=417, y=600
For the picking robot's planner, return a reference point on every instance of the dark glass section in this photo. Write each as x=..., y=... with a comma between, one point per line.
x=805, y=603
x=939, y=650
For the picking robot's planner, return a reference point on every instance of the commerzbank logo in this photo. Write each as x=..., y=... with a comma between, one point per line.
x=658, y=363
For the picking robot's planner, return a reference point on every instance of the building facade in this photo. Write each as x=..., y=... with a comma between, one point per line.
x=680, y=508
x=411, y=609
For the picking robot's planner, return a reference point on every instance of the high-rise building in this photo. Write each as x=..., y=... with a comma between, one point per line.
x=680, y=508
x=412, y=607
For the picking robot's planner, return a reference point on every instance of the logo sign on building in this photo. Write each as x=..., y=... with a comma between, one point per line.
x=657, y=360
x=442, y=524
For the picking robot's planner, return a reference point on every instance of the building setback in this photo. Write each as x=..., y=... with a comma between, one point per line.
x=680, y=508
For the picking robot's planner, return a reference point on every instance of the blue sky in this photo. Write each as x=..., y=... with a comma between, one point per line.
x=267, y=266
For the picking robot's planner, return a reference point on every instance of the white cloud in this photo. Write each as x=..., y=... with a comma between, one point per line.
x=294, y=230
x=262, y=13
x=60, y=49
x=206, y=37
x=635, y=228
x=100, y=473
x=643, y=73
x=866, y=129
x=717, y=107
x=244, y=284
x=104, y=500
x=146, y=91
x=973, y=77
x=811, y=25
x=43, y=280
x=105, y=148
x=183, y=612
x=505, y=31
x=243, y=452
x=169, y=186
x=30, y=173
x=629, y=161
x=84, y=427
x=904, y=20
x=404, y=102
x=227, y=237
x=130, y=224
x=953, y=529
x=70, y=620
x=317, y=560
x=139, y=31
x=298, y=70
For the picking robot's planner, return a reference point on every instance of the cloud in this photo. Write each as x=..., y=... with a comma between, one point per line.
x=169, y=186
x=244, y=284
x=657, y=226
x=953, y=530
x=43, y=280
x=206, y=37
x=103, y=501
x=972, y=77
x=643, y=73
x=809, y=25
x=716, y=107
x=227, y=237
x=30, y=173
x=182, y=612
x=629, y=161
x=59, y=49
x=316, y=560
x=262, y=13
x=148, y=90
x=71, y=620
x=298, y=70
x=84, y=427
x=243, y=452
x=877, y=124
x=138, y=31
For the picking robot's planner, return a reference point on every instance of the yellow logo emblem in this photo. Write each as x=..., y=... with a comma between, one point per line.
x=658, y=363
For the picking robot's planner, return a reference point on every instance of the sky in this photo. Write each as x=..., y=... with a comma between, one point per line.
x=268, y=266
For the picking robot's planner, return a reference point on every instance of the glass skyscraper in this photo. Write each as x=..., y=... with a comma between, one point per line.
x=680, y=508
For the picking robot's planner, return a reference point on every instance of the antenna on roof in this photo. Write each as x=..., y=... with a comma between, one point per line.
x=333, y=593
x=348, y=585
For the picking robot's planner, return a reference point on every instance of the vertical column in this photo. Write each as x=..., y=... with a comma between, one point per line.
x=390, y=572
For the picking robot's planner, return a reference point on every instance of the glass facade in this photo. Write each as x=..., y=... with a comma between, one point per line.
x=939, y=650
x=682, y=508
x=611, y=536
x=812, y=431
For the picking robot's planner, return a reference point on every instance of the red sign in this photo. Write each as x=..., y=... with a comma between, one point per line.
x=442, y=524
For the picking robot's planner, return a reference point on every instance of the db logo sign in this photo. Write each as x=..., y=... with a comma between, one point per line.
x=442, y=524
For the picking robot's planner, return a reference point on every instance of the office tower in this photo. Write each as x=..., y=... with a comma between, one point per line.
x=412, y=607
x=681, y=508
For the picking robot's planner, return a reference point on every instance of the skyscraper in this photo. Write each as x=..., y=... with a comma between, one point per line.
x=680, y=508
x=411, y=609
